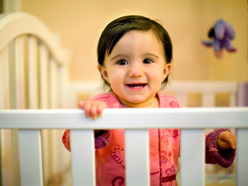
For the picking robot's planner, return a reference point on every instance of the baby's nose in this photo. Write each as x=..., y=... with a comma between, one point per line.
x=135, y=70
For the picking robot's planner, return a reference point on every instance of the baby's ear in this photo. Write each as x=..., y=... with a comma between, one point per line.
x=167, y=69
x=103, y=72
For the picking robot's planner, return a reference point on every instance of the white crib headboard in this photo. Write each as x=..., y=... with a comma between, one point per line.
x=28, y=49
x=33, y=75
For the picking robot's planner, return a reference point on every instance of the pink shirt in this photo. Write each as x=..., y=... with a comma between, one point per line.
x=164, y=149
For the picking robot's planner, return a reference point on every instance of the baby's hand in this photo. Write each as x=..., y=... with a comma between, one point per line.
x=94, y=109
x=226, y=140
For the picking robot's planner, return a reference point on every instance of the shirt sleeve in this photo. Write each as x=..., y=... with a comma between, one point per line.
x=66, y=139
x=101, y=139
x=216, y=156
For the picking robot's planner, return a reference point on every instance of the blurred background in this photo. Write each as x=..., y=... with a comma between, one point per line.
x=79, y=24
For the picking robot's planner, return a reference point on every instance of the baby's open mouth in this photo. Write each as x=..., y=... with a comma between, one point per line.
x=137, y=85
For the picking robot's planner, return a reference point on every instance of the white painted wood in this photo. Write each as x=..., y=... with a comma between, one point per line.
x=208, y=100
x=83, y=157
x=242, y=157
x=13, y=134
x=182, y=98
x=4, y=80
x=53, y=83
x=16, y=24
x=125, y=118
x=192, y=157
x=233, y=99
x=54, y=148
x=137, y=157
x=33, y=72
x=12, y=27
x=6, y=155
x=12, y=72
x=203, y=86
x=63, y=96
x=19, y=73
x=30, y=157
x=196, y=118
x=56, y=160
x=43, y=68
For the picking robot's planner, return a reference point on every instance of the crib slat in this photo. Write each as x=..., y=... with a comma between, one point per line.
x=5, y=98
x=182, y=98
x=208, y=99
x=5, y=104
x=43, y=76
x=83, y=157
x=44, y=104
x=242, y=154
x=62, y=77
x=19, y=71
x=30, y=157
x=233, y=99
x=32, y=73
x=54, y=134
x=137, y=157
x=192, y=154
x=53, y=83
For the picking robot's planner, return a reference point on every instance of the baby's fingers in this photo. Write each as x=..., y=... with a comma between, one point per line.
x=87, y=109
x=93, y=109
x=81, y=104
x=232, y=141
x=96, y=110
x=226, y=140
x=86, y=106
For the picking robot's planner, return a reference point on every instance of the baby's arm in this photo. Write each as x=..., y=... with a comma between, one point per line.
x=220, y=147
x=93, y=109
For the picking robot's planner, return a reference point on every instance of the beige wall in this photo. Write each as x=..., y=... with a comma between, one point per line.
x=80, y=22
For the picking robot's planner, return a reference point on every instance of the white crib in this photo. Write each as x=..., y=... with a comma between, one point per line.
x=33, y=74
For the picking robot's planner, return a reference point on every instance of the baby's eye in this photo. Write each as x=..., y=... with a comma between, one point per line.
x=147, y=61
x=122, y=62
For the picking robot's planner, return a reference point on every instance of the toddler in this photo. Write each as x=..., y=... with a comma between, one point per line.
x=134, y=56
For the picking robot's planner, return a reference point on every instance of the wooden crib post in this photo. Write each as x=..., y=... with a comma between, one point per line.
x=137, y=158
x=30, y=157
x=192, y=155
x=33, y=72
x=242, y=154
x=83, y=157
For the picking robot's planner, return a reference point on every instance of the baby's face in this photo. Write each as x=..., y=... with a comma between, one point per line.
x=136, y=68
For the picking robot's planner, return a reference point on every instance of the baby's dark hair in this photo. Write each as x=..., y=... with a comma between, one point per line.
x=120, y=26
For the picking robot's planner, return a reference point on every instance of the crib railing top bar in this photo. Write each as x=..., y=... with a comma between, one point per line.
x=15, y=24
x=204, y=86
x=184, y=118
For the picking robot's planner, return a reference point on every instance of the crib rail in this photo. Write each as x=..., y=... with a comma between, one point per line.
x=136, y=123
